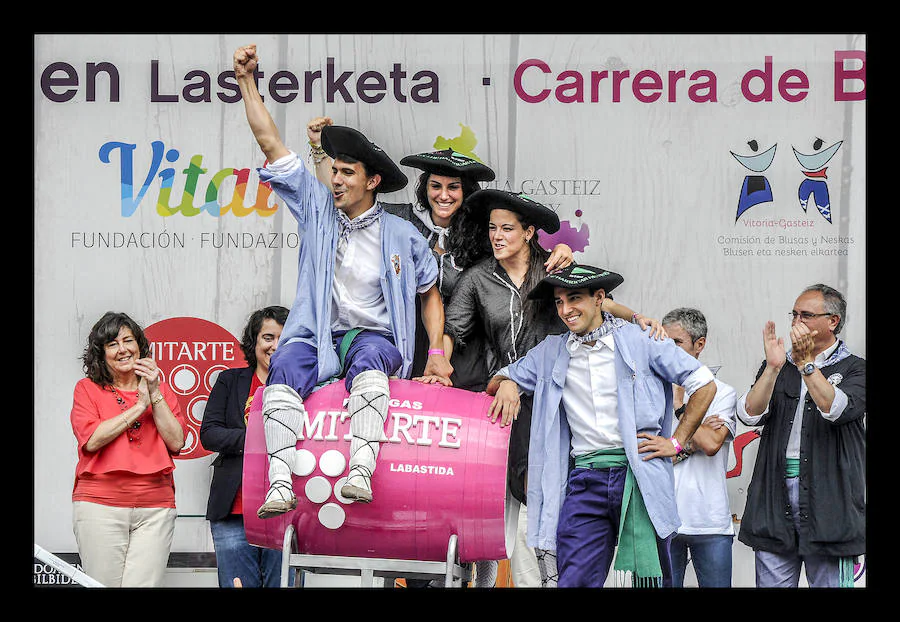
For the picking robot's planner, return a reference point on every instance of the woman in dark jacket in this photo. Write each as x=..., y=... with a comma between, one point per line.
x=223, y=430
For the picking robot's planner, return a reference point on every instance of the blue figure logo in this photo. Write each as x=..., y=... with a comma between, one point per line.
x=814, y=186
x=756, y=188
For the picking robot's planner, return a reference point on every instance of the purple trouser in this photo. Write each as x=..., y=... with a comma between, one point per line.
x=588, y=528
x=296, y=364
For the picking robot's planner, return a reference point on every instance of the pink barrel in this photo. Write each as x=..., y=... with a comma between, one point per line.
x=441, y=471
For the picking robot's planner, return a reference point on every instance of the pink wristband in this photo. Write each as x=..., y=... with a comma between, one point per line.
x=435, y=351
x=676, y=444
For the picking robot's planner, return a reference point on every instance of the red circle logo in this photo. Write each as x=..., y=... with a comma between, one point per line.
x=191, y=352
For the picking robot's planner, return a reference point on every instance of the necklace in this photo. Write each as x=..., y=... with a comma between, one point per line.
x=132, y=430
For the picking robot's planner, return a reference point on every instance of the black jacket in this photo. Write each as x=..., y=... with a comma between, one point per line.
x=485, y=299
x=832, y=501
x=223, y=430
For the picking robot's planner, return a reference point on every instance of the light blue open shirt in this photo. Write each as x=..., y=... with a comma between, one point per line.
x=408, y=268
x=645, y=371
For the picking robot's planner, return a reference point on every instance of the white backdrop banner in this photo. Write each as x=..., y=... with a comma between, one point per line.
x=724, y=172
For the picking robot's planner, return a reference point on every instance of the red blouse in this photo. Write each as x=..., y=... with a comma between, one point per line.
x=125, y=473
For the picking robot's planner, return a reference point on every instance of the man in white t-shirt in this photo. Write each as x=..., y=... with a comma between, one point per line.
x=706, y=534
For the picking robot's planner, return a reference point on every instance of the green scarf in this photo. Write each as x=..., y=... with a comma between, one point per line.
x=846, y=570
x=637, y=538
x=792, y=467
x=845, y=564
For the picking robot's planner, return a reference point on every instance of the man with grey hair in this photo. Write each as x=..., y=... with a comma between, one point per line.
x=701, y=493
x=806, y=503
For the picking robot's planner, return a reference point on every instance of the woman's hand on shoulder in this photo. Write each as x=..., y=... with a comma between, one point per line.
x=561, y=257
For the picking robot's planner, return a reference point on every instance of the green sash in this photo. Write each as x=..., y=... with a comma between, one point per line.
x=637, y=538
x=346, y=340
x=792, y=467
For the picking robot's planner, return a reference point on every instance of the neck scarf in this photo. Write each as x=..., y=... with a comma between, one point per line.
x=360, y=222
x=610, y=323
x=425, y=216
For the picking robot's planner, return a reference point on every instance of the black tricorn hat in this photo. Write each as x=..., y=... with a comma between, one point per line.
x=542, y=216
x=576, y=276
x=450, y=164
x=340, y=139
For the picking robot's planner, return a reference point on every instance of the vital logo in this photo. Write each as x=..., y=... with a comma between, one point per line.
x=190, y=353
x=464, y=144
x=132, y=197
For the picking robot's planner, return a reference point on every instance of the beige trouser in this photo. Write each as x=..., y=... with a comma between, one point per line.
x=523, y=563
x=123, y=547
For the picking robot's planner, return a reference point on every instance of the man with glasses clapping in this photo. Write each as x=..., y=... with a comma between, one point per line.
x=806, y=503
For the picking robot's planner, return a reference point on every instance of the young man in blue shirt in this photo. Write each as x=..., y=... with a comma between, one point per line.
x=360, y=270
x=603, y=400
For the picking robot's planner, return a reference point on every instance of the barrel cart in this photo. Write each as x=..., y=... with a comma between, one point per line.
x=439, y=489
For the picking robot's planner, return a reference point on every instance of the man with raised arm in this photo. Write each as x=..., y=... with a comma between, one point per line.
x=353, y=316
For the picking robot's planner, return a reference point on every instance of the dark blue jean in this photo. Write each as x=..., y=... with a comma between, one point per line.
x=710, y=554
x=235, y=557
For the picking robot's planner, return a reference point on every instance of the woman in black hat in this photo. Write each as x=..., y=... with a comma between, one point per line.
x=491, y=297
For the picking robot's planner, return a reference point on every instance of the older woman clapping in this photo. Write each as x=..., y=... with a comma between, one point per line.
x=128, y=426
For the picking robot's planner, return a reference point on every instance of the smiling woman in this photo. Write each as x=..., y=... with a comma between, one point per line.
x=128, y=425
x=223, y=430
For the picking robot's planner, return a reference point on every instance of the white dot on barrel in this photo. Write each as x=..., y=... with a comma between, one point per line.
x=305, y=462
x=185, y=379
x=331, y=515
x=317, y=489
x=332, y=463
x=337, y=491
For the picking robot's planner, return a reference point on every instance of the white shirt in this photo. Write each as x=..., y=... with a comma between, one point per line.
x=701, y=491
x=590, y=397
x=357, y=300
x=837, y=407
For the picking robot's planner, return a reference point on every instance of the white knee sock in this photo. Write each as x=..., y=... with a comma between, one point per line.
x=368, y=409
x=283, y=414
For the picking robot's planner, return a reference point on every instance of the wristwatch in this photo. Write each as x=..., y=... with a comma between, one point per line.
x=807, y=369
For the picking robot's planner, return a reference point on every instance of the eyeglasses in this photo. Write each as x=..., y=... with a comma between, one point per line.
x=805, y=315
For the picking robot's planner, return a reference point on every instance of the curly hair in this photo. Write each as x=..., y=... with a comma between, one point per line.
x=105, y=330
x=254, y=325
x=470, y=242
